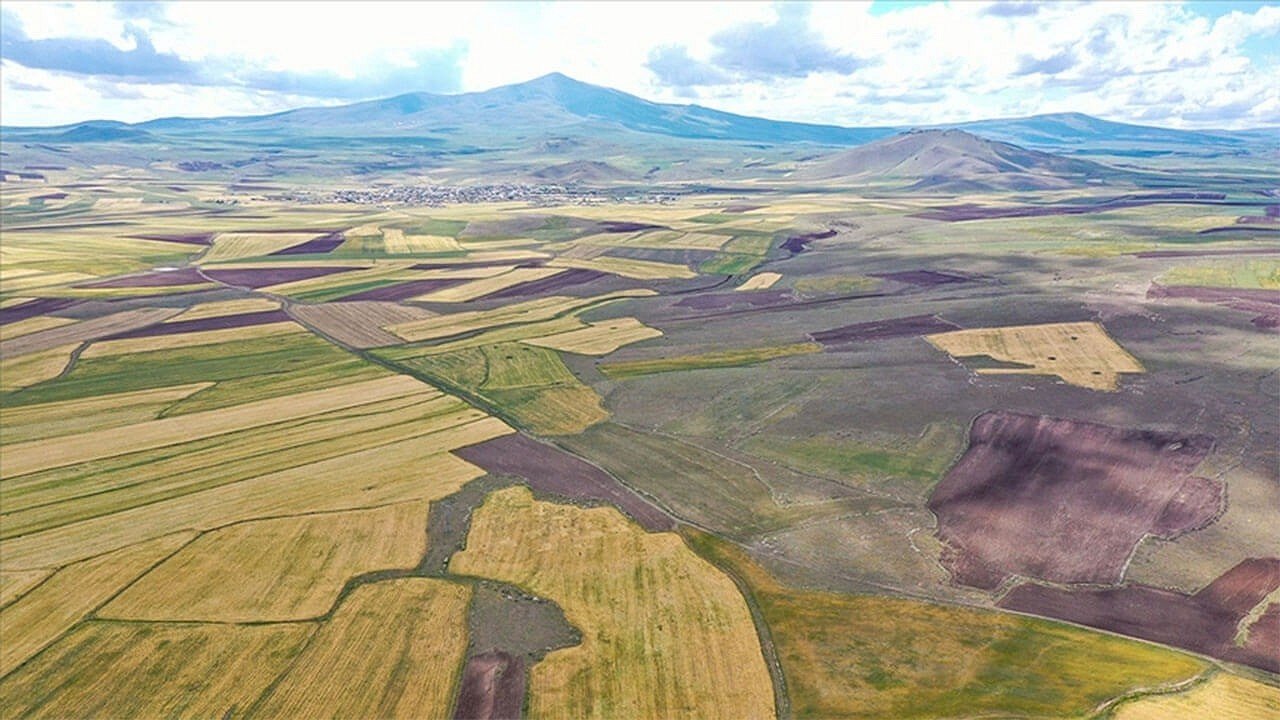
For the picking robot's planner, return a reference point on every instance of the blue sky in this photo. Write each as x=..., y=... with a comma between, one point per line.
x=1180, y=64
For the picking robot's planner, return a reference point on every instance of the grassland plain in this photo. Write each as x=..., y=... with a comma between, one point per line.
x=1079, y=353
x=392, y=649
x=664, y=633
x=863, y=656
x=598, y=338
x=622, y=369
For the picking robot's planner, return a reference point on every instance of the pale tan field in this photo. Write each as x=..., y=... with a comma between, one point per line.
x=598, y=338
x=418, y=468
x=1080, y=353
x=760, y=281
x=233, y=246
x=49, y=420
x=556, y=410
x=141, y=670
x=1223, y=697
x=479, y=288
x=23, y=458
x=226, y=307
x=31, y=325
x=275, y=570
x=392, y=649
x=126, y=346
x=39, y=280
x=85, y=330
x=41, y=615
x=636, y=269
x=14, y=585
x=665, y=634
x=359, y=323
x=27, y=370
x=562, y=324
x=395, y=242
x=11, y=302
x=517, y=313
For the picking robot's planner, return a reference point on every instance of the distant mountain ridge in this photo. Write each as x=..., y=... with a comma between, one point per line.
x=558, y=106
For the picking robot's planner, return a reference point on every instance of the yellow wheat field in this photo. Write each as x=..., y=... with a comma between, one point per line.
x=760, y=281
x=22, y=458
x=67, y=417
x=27, y=370
x=223, y=308
x=143, y=670
x=275, y=570
x=479, y=288
x=598, y=338
x=392, y=649
x=14, y=585
x=57, y=604
x=636, y=269
x=1080, y=353
x=31, y=325
x=395, y=242
x=233, y=246
x=126, y=346
x=1223, y=697
x=665, y=634
x=516, y=313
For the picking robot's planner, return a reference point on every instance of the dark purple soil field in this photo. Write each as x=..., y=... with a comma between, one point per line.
x=1205, y=253
x=214, y=323
x=319, y=246
x=1205, y=622
x=1065, y=501
x=550, y=469
x=1258, y=227
x=265, y=276
x=548, y=285
x=719, y=301
x=188, y=239
x=1266, y=303
x=922, y=278
x=404, y=290
x=492, y=688
x=184, y=276
x=51, y=196
x=34, y=308
x=961, y=213
x=799, y=243
x=912, y=326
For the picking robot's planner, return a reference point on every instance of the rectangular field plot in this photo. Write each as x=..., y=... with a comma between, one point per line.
x=42, y=422
x=598, y=338
x=759, y=281
x=664, y=632
x=396, y=242
x=487, y=286
x=701, y=361
x=1080, y=353
x=636, y=269
x=515, y=314
x=234, y=246
x=392, y=649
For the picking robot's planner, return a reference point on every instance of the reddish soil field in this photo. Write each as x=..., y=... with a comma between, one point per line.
x=184, y=276
x=548, y=285
x=799, y=243
x=319, y=246
x=189, y=239
x=404, y=290
x=492, y=688
x=265, y=276
x=34, y=308
x=550, y=469
x=718, y=301
x=1266, y=303
x=1065, y=501
x=213, y=323
x=1205, y=622
x=912, y=326
x=960, y=213
x=922, y=278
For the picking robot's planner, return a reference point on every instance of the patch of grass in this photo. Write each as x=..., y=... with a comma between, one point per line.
x=729, y=358
x=837, y=284
x=726, y=263
x=1250, y=275
x=848, y=459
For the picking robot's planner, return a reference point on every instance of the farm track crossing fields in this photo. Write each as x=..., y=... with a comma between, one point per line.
x=1222, y=697
x=598, y=338
x=234, y=246
x=128, y=346
x=517, y=313
x=31, y=325
x=27, y=370
x=487, y=286
x=275, y=570
x=28, y=457
x=412, y=469
x=665, y=634
x=84, y=331
x=143, y=670
x=37, y=422
x=1081, y=353
x=392, y=649
x=71, y=593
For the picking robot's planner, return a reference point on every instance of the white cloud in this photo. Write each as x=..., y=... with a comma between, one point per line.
x=917, y=65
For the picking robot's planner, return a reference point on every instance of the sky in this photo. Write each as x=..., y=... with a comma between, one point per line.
x=1174, y=64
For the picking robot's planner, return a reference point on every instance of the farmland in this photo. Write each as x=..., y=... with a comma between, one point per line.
x=339, y=426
